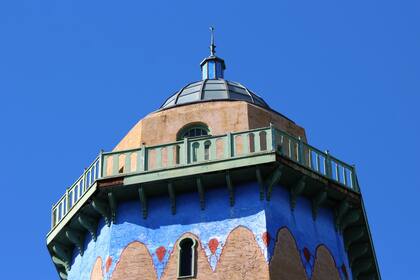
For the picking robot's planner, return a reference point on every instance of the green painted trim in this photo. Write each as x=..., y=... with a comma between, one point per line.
x=230, y=188
x=317, y=201
x=75, y=209
x=143, y=201
x=260, y=182
x=273, y=180
x=103, y=209
x=297, y=190
x=77, y=239
x=112, y=200
x=89, y=224
x=199, y=168
x=171, y=192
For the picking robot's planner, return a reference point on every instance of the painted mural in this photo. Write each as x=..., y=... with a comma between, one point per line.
x=272, y=241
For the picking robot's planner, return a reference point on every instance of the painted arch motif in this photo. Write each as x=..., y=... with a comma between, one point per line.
x=241, y=258
x=135, y=260
x=286, y=263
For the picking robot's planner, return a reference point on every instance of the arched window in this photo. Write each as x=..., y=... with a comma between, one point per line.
x=193, y=130
x=186, y=267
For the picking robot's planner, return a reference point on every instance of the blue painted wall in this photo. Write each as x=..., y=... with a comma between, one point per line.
x=161, y=228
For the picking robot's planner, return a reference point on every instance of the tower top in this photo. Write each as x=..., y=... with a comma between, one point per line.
x=212, y=67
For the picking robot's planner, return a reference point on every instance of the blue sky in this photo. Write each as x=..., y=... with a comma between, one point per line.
x=76, y=75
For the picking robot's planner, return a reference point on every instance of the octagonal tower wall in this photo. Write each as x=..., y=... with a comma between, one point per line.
x=221, y=117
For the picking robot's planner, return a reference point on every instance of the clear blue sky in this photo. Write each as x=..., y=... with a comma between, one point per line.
x=76, y=75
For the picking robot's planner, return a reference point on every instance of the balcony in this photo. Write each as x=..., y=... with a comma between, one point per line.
x=245, y=146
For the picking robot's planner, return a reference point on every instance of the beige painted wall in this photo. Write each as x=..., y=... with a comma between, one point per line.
x=220, y=116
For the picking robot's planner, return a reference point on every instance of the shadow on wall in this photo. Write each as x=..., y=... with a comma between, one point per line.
x=241, y=258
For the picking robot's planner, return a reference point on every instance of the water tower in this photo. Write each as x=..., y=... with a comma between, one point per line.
x=215, y=184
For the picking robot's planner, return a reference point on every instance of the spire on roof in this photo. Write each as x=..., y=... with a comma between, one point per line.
x=212, y=45
x=212, y=67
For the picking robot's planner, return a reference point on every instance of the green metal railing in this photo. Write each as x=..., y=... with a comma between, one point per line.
x=192, y=151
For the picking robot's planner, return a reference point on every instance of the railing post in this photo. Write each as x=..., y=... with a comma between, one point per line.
x=186, y=151
x=100, y=172
x=84, y=181
x=52, y=217
x=229, y=143
x=67, y=200
x=144, y=157
x=272, y=138
x=354, y=183
x=328, y=167
x=300, y=151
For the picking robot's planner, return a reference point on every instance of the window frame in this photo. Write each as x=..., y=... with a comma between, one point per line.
x=187, y=128
x=193, y=258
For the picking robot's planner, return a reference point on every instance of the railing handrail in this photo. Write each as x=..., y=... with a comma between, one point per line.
x=98, y=167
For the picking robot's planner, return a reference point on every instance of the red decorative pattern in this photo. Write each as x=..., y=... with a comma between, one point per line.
x=160, y=253
x=307, y=254
x=108, y=264
x=213, y=244
x=266, y=238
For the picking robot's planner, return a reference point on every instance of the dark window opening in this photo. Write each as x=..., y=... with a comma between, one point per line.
x=186, y=258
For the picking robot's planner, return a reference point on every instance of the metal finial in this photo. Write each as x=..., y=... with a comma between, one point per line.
x=212, y=45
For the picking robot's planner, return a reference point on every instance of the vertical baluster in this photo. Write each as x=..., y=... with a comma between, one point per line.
x=100, y=164
x=245, y=144
x=52, y=217
x=257, y=142
x=291, y=150
x=127, y=163
x=104, y=165
x=338, y=173
x=345, y=175
x=271, y=141
x=318, y=162
x=170, y=150
x=67, y=199
x=328, y=167
x=300, y=152
x=115, y=164
x=229, y=151
x=158, y=158
x=186, y=151
x=139, y=158
x=213, y=151
x=310, y=164
x=200, y=151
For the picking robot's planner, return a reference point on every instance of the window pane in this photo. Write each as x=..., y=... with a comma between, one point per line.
x=211, y=70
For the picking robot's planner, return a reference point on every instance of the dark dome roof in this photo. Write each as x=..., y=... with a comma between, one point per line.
x=213, y=89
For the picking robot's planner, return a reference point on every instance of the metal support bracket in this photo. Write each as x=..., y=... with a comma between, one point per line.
x=172, y=198
x=356, y=251
x=62, y=256
x=341, y=211
x=113, y=206
x=352, y=235
x=260, y=182
x=102, y=209
x=230, y=188
x=201, y=193
x=143, y=201
x=296, y=190
x=317, y=201
x=273, y=180
x=360, y=266
x=350, y=218
x=77, y=239
x=89, y=224
x=59, y=262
